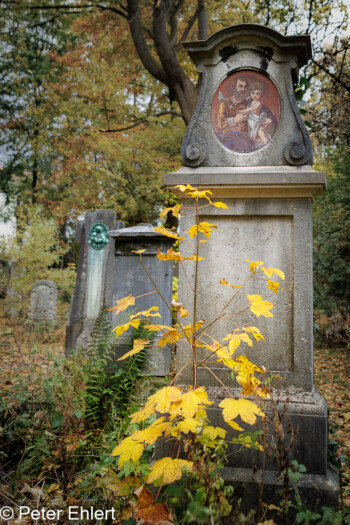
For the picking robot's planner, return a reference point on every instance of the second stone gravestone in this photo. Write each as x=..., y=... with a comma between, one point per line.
x=43, y=301
x=131, y=277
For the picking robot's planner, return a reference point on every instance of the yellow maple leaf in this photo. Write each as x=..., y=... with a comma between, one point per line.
x=171, y=255
x=234, y=425
x=175, y=211
x=128, y=449
x=147, y=313
x=139, y=344
x=162, y=399
x=139, y=252
x=201, y=413
x=245, y=337
x=254, y=331
x=244, y=408
x=171, y=337
x=270, y=271
x=119, y=330
x=254, y=265
x=197, y=194
x=230, y=363
x=258, y=306
x=203, y=227
x=274, y=286
x=122, y=304
x=235, y=340
x=142, y=415
x=245, y=370
x=224, y=281
x=219, y=204
x=167, y=233
x=189, y=424
x=169, y=469
x=158, y=327
x=188, y=329
x=190, y=402
x=179, y=307
x=183, y=188
x=153, y=432
x=214, y=432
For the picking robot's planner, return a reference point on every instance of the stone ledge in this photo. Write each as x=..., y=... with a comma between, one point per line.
x=251, y=182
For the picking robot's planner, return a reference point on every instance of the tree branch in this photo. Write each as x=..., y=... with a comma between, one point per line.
x=332, y=75
x=135, y=23
x=188, y=28
x=141, y=121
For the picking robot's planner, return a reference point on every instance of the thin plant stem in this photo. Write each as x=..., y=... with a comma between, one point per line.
x=219, y=380
x=195, y=304
x=261, y=488
x=219, y=316
x=155, y=286
x=190, y=285
x=144, y=294
x=177, y=373
x=164, y=300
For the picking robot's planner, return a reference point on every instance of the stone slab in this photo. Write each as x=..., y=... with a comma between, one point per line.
x=257, y=182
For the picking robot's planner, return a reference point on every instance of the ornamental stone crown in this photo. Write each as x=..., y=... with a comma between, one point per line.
x=247, y=114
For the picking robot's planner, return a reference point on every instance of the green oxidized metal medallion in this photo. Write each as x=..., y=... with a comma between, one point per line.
x=98, y=237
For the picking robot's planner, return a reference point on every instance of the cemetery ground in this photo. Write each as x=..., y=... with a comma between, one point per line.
x=31, y=356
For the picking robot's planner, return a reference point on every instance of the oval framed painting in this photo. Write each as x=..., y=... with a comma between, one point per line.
x=245, y=111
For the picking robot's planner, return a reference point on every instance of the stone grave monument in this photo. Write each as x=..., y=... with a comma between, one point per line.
x=95, y=276
x=43, y=301
x=247, y=143
x=130, y=277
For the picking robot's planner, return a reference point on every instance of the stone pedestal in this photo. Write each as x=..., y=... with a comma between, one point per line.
x=269, y=218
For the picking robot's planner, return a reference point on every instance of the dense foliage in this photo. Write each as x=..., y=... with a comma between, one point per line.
x=332, y=237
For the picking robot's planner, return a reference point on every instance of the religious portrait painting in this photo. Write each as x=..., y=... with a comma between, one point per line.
x=245, y=111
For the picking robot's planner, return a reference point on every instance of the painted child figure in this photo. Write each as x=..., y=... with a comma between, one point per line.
x=259, y=117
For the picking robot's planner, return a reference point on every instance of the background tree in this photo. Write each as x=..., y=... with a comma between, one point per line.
x=328, y=110
x=27, y=115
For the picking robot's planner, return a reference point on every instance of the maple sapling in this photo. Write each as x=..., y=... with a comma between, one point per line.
x=182, y=414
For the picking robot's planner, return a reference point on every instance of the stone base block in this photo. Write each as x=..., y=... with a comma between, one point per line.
x=314, y=491
x=303, y=413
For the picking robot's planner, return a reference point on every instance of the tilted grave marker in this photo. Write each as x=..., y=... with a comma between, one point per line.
x=247, y=143
x=95, y=276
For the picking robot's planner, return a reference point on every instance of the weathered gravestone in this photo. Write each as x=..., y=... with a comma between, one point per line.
x=43, y=301
x=247, y=143
x=130, y=277
x=95, y=276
